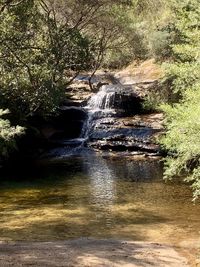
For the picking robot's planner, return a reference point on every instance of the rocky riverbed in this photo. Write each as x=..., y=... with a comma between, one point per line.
x=112, y=113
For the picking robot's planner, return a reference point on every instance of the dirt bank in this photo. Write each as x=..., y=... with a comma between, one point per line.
x=89, y=253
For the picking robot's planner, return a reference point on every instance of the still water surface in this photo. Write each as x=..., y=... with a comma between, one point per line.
x=93, y=196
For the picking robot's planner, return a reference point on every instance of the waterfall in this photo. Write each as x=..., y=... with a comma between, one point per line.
x=101, y=128
x=100, y=105
x=103, y=100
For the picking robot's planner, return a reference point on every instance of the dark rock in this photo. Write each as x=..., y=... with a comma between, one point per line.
x=72, y=112
x=125, y=146
x=68, y=124
x=133, y=134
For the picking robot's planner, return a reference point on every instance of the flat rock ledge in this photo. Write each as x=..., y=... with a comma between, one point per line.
x=89, y=253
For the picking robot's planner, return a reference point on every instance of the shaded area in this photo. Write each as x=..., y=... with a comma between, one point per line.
x=88, y=252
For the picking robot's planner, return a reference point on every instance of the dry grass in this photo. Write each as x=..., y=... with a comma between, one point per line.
x=145, y=71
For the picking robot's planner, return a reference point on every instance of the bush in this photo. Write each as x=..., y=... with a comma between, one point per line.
x=8, y=135
x=182, y=138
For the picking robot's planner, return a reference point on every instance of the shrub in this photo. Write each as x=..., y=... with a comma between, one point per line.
x=8, y=135
x=182, y=138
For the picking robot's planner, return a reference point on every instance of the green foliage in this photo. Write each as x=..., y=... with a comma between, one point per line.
x=182, y=139
x=141, y=37
x=182, y=75
x=184, y=71
x=152, y=102
x=182, y=119
x=148, y=7
x=159, y=43
x=8, y=135
x=37, y=53
x=118, y=29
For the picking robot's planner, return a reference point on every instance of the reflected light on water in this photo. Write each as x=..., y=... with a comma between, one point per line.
x=102, y=188
x=100, y=197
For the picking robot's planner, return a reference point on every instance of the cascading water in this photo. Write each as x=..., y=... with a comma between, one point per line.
x=102, y=128
x=99, y=106
x=103, y=100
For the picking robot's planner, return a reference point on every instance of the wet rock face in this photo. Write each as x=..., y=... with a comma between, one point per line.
x=137, y=133
x=145, y=147
x=108, y=120
x=128, y=104
x=109, y=128
x=117, y=97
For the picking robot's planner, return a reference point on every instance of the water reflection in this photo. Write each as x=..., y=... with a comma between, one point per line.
x=101, y=182
x=102, y=188
x=96, y=196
